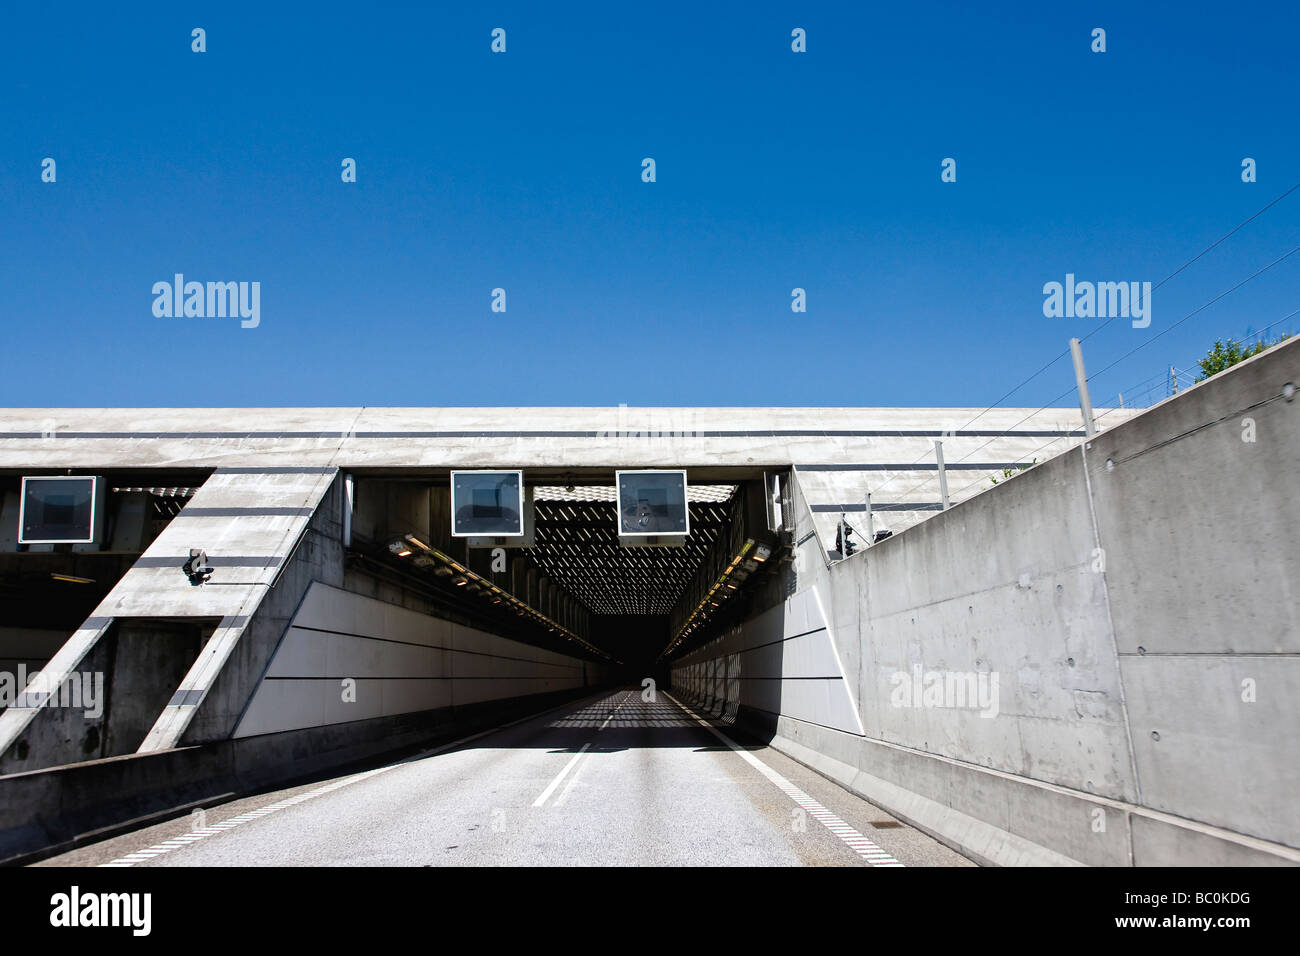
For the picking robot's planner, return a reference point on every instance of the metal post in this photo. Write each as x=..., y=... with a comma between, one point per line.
x=1085, y=401
x=349, y=500
x=943, y=474
x=871, y=525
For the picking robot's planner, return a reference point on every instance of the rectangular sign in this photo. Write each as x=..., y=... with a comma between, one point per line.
x=61, y=510
x=652, y=503
x=487, y=503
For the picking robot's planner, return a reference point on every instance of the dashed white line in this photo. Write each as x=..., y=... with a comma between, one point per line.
x=550, y=788
x=576, y=757
x=854, y=840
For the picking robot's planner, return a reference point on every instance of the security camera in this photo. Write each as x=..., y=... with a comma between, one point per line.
x=195, y=568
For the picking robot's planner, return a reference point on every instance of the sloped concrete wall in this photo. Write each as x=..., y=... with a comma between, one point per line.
x=249, y=520
x=1131, y=610
x=781, y=662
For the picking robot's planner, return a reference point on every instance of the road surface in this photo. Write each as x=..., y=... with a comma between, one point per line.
x=613, y=780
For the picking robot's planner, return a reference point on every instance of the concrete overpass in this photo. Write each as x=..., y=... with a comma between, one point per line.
x=1079, y=664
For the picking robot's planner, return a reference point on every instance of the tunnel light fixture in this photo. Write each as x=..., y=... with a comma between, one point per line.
x=71, y=579
x=416, y=542
x=445, y=566
x=722, y=588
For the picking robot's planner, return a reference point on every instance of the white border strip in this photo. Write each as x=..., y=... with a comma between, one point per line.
x=854, y=840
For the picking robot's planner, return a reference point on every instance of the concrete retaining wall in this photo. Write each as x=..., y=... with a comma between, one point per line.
x=47, y=811
x=1135, y=599
x=781, y=662
x=348, y=657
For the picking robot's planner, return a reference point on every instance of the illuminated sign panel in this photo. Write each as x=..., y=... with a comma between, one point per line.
x=652, y=503
x=61, y=510
x=487, y=503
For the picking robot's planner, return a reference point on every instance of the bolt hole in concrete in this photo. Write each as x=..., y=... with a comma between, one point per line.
x=1155, y=735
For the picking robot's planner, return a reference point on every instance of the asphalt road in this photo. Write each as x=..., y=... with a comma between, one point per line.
x=613, y=781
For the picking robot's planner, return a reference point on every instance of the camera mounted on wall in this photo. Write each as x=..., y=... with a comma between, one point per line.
x=196, y=567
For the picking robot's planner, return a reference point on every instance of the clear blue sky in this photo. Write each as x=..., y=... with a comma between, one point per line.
x=775, y=170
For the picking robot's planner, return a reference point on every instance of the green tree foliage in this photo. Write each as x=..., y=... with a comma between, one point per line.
x=1008, y=472
x=1225, y=356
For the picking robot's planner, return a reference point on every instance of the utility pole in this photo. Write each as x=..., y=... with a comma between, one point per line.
x=1081, y=377
x=943, y=474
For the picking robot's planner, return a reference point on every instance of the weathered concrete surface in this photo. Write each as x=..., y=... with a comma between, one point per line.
x=65, y=806
x=249, y=522
x=847, y=451
x=1136, y=598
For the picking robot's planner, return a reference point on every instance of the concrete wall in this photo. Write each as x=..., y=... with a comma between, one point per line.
x=268, y=533
x=781, y=662
x=398, y=660
x=1135, y=599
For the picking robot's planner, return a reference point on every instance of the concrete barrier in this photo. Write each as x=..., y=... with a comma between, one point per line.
x=1096, y=661
x=48, y=811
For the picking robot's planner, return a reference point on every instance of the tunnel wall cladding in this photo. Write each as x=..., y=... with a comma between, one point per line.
x=348, y=657
x=1136, y=598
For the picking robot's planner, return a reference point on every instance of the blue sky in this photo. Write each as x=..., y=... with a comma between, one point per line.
x=522, y=171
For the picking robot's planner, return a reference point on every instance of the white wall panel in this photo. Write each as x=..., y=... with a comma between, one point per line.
x=402, y=662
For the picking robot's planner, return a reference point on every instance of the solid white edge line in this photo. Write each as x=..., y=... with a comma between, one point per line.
x=791, y=790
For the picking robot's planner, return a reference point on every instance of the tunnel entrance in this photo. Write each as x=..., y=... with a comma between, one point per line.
x=577, y=582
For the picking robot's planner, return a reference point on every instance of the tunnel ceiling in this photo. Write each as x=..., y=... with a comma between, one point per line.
x=578, y=548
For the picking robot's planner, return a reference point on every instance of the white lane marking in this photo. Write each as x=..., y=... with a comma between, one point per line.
x=225, y=826
x=854, y=840
x=188, y=839
x=564, y=794
x=550, y=788
x=556, y=782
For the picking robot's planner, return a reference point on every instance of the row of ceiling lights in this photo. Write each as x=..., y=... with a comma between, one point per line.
x=726, y=586
x=422, y=555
